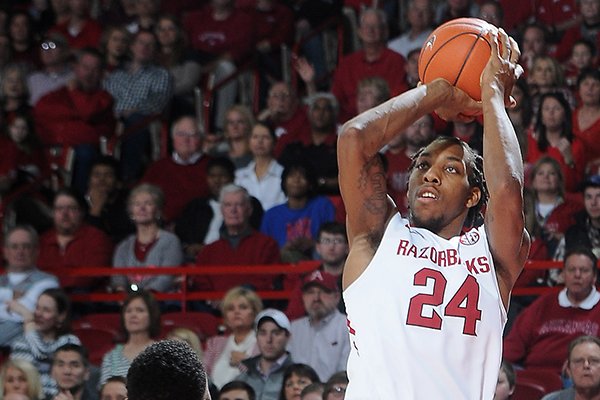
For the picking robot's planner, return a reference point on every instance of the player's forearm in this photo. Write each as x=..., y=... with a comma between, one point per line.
x=379, y=125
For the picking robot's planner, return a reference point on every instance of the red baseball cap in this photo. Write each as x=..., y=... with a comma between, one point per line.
x=323, y=279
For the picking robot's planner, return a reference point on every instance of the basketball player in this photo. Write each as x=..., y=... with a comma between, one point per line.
x=427, y=296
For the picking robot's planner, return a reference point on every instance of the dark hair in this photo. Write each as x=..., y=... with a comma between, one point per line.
x=474, y=163
x=72, y=193
x=153, y=311
x=31, y=142
x=63, y=306
x=113, y=379
x=166, y=370
x=333, y=227
x=335, y=379
x=306, y=170
x=593, y=73
x=107, y=161
x=540, y=128
x=587, y=43
x=238, y=385
x=526, y=105
x=89, y=51
x=301, y=370
x=510, y=373
x=76, y=348
x=583, y=251
x=579, y=340
x=269, y=128
x=222, y=162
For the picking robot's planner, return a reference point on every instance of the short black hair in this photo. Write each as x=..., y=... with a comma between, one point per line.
x=166, y=370
x=238, y=385
x=332, y=227
x=76, y=348
x=305, y=169
x=222, y=162
x=582, y=251
x=107, y=161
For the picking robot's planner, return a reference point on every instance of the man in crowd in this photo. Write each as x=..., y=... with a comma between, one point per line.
x=71, y=371
x=321, y=338
x=265, y=371
x=22, y=283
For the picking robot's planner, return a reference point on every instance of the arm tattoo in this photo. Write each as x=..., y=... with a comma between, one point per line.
x=372, y=182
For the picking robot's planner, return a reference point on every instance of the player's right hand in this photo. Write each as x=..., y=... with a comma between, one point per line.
x=458, y=106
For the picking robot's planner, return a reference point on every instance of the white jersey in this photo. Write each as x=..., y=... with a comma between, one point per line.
x=425, y=318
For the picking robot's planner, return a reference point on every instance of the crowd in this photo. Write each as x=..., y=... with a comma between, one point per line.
x=86, y=85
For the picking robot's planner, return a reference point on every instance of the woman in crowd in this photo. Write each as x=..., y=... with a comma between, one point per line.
x=553, y=136
x=238, y=123
x=172, y=55
x=115, y=388
x=150, y=245
x=140, y=321
x=14, y=95
x=546, y=77
x=549, y=211
x=225, y=352
x=189, y=337
x=295, y=378
x=20, y=376
x=45, y=330
x=262, y=177
x=114, y=44
x=586, y=117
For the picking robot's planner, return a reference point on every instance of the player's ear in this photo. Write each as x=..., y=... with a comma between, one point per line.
x=474, y=197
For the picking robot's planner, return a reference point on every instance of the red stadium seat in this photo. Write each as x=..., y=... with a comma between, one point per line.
x=528, y=390
x=110, y=322
x=548, y=379
x=97, y=341
x=202, y=324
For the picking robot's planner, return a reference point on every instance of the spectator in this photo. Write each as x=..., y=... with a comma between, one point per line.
x=317, y=145
x=547, y=77
x=20, y=376
x=238, y=125
x=371, y=92
x=72, y=243
x=582, y=56
x=22, y=283
x=182, y=175
x=71, y=371
x=264, y=372
x=399, y=156
x=56, y=71
x=140, y=321
x=239, y=244
x=420, y=19
x=295, y=224
x=167, y=370
x=20, y=30
x=375, y=59
x=236, y=390
x=455, y=9
x=142, y=91
x=107, y=200
x=492, y=12
x=582, y=365
x=46, y=329
x=149, y=246
x=335, y=388
x=314, y=391
x=226, y=37
x=586, y=229
x=296, y=378
x=13, y=91
x=549, y=211
x=145, y=16
x=224, y=353
x=115, y=388
x=332, y=249
x=534, y=44
x=506, y=382
x=183, y=65
x=586, y=117
x=80, y=29
x=552, y=136
x=113, y=45
x=285, y=114
x=78, y=115
x=321, y=338
x=201, y=220
x=540, y=334
x=189, y=337
x=262, y=176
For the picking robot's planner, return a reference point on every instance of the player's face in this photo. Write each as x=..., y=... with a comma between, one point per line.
x=503, y=389
x=272, y=340
x=68, y=370
x=239, y=314
x=584, y=366
x=580, y=276
x=319, y=302
x=591, y=201
x=439, y=192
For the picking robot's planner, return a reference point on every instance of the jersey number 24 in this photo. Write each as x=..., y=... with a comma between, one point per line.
x=464, y=304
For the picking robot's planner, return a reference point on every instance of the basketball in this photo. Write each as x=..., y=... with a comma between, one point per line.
x=457, y=51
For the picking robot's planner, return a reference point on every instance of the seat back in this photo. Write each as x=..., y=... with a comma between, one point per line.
x=528, y=390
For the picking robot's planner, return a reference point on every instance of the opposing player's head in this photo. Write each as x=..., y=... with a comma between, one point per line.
x=167, y=370
x=446, y=188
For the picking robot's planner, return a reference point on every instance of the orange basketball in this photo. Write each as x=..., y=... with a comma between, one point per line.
x=457, y=51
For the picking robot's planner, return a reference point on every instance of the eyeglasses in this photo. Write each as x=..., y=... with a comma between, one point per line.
x=336, y=241
x=17, y=246
x=49, y=45
x=580, y=362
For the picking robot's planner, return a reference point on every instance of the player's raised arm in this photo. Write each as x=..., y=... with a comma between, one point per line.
x=503, y=166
